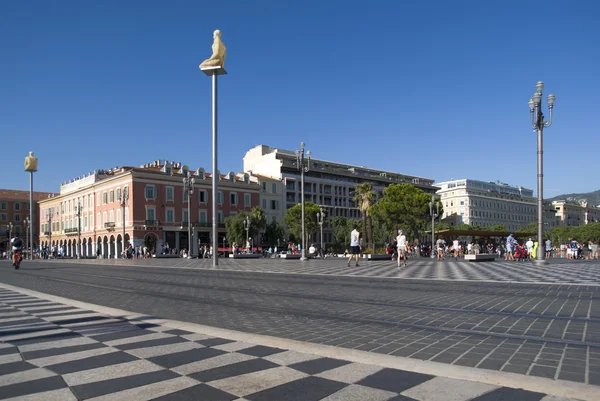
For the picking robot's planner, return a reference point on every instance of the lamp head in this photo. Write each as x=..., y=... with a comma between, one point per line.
x=302, y=145
x=537, y=98
x=539, y=87
x=308, y=154
x=550, y=99
x=531, y=105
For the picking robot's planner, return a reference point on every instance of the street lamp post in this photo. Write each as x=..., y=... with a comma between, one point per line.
x=434, y=213
x=26, y=224
x=49, y=213
x=320, y=220
x=188, y=185
x=10, y=228
x=123, y=202
x=303, y=164
x=78, y=211
x=247, y=228
x=538, y=124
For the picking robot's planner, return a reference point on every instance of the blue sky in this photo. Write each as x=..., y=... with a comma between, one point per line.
x=437, y=89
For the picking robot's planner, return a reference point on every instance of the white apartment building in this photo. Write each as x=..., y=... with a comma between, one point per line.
x=270, y=196
x=570, y=214
x=328, y=184
x=486, y=204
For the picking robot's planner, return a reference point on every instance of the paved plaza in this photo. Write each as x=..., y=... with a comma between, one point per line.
x=496, y=317
x=557, y=271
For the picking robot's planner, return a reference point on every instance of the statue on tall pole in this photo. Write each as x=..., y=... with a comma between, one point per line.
x=218, y=53
x=31, y=164
x=213, y=67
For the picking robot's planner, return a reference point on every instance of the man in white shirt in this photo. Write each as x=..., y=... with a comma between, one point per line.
x=354, y=245
x=529, y=245
x=402, y=247
x=456, y=247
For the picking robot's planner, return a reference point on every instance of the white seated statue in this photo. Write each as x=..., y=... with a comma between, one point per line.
x=218, y=53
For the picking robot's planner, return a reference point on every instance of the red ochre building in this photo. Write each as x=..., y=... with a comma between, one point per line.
x=91, y=215
x=14, y=208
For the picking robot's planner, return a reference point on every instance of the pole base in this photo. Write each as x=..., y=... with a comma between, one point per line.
x=540, y=262
x=303, y=258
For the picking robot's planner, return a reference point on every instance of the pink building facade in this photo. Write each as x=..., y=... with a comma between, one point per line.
x=103, y=212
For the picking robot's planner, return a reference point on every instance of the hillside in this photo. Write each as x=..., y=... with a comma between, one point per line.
x=593, y=198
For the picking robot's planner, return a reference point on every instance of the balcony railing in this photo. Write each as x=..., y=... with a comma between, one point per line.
x=206, y=224
x=70, y=230
x=47, y=233
x=152, y=223
x=109, y=225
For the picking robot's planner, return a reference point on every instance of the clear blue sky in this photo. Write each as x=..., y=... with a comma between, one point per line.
x=437, y=89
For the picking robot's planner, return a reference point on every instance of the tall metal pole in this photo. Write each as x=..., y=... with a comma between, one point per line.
x=303, y=257
x=190, y=223
x=431, y=207
x=79, y=229
x=31, y=210
x=538, y=124
x=215, y=176
x=541, y=254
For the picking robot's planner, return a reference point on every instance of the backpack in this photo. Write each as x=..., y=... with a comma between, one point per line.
x=18, y=242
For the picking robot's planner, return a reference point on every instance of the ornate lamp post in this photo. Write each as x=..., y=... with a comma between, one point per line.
x=78, y=211
x=49, y=215
x=320, y=220
x=123, y=202
x=9, y=248
x=31, y=163
x=247, y=228
x=26, y=224
x=303, y=164
x=434, y=211
x=538, y=124
x=188, y=185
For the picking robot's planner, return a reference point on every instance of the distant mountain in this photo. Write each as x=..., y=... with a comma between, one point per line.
x=592, y=198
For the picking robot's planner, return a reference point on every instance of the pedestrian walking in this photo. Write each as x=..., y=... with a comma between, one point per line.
x=402, y=247
x=354, y=245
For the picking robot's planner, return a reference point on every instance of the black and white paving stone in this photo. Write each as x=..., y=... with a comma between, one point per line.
x=557, y=271
x=52, y=351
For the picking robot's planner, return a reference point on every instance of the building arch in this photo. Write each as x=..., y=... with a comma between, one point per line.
x=151, y=242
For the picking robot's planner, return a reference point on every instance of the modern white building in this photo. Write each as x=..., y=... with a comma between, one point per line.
x=328, y=184
x=486, y=204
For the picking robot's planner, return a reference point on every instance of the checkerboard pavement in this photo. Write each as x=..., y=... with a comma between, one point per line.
x=53, y=351
x=557, y=271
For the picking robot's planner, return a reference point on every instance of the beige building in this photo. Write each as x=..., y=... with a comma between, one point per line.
x=486, y=204
x=271, y=197
x=571, y=214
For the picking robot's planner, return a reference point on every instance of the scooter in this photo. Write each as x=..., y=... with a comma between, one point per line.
x=17, y=258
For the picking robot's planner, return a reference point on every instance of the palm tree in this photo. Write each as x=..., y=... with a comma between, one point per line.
x=365, y=197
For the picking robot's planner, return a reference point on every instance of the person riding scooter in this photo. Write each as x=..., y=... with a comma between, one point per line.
x=17, y=248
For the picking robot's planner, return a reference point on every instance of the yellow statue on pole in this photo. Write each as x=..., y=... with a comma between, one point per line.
x=218, y=53
x=31, y=163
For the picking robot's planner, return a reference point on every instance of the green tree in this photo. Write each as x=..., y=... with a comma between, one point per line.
x=405, y=207
x=235, y=225
x=530, y=227
x=274, y=234
x=293, y=220
x=365, y=197
x=497, y=227
x=342, y=227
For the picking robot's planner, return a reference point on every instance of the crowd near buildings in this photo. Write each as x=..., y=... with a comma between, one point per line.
x=102, y=212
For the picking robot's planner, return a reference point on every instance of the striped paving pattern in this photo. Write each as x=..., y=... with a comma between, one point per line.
x=50, y=351
x=557, y=271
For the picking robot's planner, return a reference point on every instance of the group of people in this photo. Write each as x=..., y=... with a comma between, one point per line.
x=400, y=246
